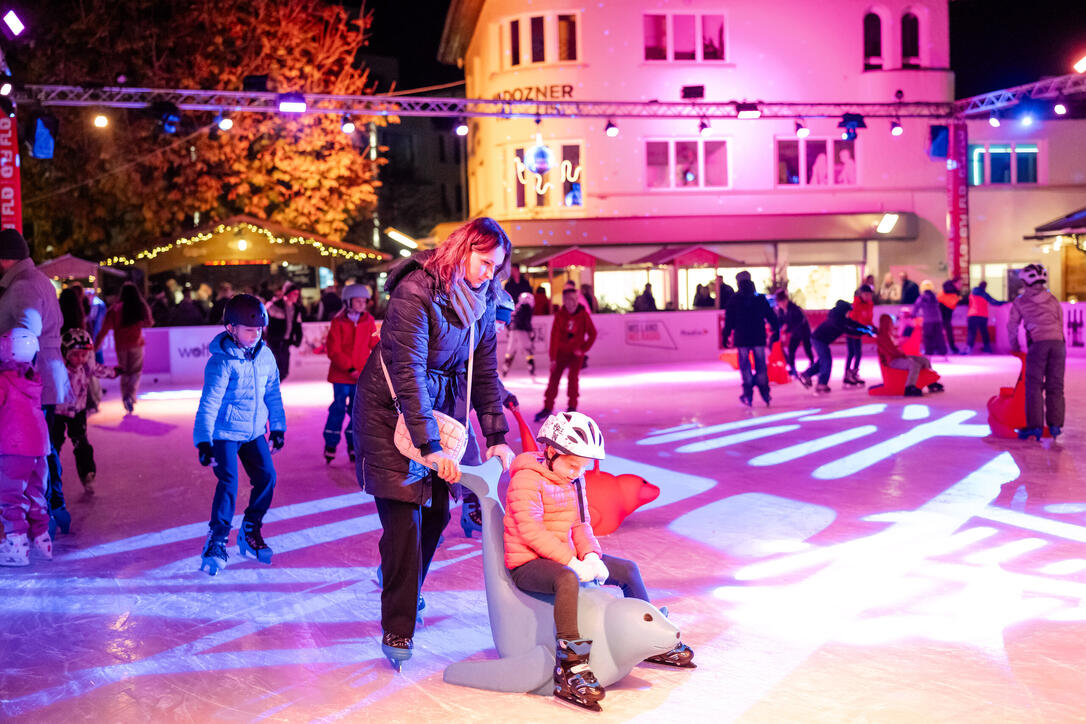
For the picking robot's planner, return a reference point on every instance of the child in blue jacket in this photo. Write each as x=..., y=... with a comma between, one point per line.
x=240, y=399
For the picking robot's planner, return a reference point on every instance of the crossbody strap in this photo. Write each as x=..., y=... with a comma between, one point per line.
x=471, y=371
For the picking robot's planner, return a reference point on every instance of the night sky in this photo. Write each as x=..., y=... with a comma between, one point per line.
x=994, y=43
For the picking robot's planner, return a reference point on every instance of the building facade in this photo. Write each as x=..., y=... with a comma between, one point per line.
x=752, y=191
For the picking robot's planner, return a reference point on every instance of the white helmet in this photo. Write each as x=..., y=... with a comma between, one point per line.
x=1033, y=273
x=356, y=291
x=573, y=433
x=18, y=345
x=526, y=298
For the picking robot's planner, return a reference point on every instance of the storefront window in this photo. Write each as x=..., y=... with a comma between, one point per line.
x=819, y=287
x=616, y=289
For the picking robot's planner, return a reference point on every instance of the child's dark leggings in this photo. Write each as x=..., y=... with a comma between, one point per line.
x=855, y=352
x=543, y=575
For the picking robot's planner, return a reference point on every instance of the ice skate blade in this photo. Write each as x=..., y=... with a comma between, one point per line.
x=687, y=665
x=578, y=703
x=396, y=656
x=213, y=566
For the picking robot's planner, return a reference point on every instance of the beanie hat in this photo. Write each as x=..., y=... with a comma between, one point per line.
x=13, y=245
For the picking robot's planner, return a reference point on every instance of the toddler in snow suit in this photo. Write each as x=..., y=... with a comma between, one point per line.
x=351, y=337
x=550, y=547
x=24, y=446
x=521, y=334
x=1046, y=352
x=70, y=417
x=240, y=398
x=837, y=322
x=572, y=335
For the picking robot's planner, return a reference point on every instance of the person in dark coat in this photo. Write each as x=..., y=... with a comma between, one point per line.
x=518, y=283
x=435, y=297
x=910, y=290
x=724, y=293
x=794, y=323
x=747, y=315
x=285, y=326
x=837, y=322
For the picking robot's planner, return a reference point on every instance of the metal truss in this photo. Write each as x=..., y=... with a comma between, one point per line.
x=1061, y=86
x=528, y=107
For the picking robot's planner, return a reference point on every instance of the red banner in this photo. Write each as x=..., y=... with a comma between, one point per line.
x=957, y=216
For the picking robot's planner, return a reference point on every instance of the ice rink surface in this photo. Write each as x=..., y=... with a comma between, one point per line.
x=844, y=558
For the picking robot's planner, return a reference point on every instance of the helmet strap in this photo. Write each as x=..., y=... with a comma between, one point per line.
x=550, y=455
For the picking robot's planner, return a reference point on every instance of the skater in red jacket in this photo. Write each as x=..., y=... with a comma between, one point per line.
x=572, y=335
x=350, y=338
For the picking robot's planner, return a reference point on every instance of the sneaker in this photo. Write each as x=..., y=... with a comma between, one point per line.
x=15, y=550
x=43, y=544
x=543, y=414
x=88, y=482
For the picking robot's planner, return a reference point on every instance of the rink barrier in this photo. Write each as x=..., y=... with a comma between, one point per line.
x=179, y=354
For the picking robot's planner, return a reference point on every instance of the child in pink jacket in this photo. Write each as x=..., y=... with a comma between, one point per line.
x=24, y=446
x=550, y=547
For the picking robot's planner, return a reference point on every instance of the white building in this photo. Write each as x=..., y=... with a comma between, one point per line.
x=750, y=191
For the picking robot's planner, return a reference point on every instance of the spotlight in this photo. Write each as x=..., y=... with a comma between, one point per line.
x=801, y=130
x=14, y=25
x=851, y=122
x=1060, y=108
x=896, y=129
x=5, y=88
x=100, y=120
x=347, y=126
x=168, y=114
x=993, y=120
x=225, y=124
x=291, y=103
x=1080, y=65
x=703, y=128
x=611, y=129
x=748, y=110
x=461, y=127
x=1026, y=120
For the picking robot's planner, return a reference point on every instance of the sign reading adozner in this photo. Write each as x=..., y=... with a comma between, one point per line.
x=552, y=92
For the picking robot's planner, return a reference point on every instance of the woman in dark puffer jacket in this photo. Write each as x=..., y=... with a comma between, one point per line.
x=434, y=297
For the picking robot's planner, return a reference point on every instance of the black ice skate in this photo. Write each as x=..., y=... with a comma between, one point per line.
x=251, y=543
x=350, y=453
x=573, y=680
x=214, y=556
x=397, y=649
x=329, y=454
x=681, y=656
x=822, y=389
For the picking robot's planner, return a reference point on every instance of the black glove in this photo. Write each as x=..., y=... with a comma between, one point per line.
x=511, y=401
x=203, y=450
x=276, y=438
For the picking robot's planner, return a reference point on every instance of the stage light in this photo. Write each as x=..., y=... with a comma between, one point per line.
x=347, y=126
x=168, y=114
x=704, y=129
x=611, y=129
x=896, y=129
x=1080, y=66
x=748, y=110
x=1060, y=108
x=993, y=120
x=11, y=20
x=461, y=127
x=223, y=123
x=1026, y=120
x=100, y=121
x=5, y=88
x=291, y=103
x=851, y=122
x=801, y=130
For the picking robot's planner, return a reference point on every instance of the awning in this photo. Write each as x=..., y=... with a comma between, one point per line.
x=562, y=258
x=1072, y=224
x=685, y=256
x=858, y=226
x=72, y=267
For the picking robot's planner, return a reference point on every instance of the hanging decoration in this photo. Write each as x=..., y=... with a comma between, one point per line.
x=539, y=162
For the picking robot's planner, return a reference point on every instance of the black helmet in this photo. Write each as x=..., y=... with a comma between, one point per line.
x=245, y=310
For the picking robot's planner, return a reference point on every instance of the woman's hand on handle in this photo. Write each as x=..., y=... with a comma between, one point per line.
x=445, y=465
x=504, y=454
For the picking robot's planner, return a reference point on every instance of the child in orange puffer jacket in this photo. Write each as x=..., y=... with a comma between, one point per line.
x=550, y=547
x=351, y=337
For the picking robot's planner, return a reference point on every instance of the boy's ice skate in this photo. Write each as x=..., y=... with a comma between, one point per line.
x=397, y=649
x=214, y=557
x=573, y=679
x=251, y=543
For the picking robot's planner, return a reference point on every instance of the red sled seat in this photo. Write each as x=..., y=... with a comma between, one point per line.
x=1007, y=410
x=893, y=381
x=776, y=365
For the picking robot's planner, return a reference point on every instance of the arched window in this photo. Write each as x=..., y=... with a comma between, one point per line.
x=872, y=42
x=910, y=41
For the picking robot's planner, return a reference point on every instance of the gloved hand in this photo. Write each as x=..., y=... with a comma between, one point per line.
x=511, y=401
x=277, y=438
x=203, y=451
x=585, y=571
x=600, y=572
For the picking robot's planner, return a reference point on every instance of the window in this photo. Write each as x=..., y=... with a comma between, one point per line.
x=537, y=39
x=816, y=162
x=910, y=41
x=558, y=186
x=686, y=164
x=683, y=36
x=872, y=42
x=1003, y=164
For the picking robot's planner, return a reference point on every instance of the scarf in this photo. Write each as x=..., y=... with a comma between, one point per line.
x=469, y=304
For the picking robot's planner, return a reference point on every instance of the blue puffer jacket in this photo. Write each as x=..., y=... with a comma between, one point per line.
x=240, y=395
x=426, y=350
